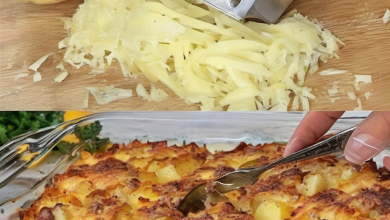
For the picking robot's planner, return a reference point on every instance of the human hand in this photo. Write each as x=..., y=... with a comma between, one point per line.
x=370, y=138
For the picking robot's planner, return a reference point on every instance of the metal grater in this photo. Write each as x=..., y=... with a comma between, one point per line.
x=268, y=11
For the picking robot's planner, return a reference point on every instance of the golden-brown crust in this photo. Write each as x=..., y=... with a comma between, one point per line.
x=148, y=181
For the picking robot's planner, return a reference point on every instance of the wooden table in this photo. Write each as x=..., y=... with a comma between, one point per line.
x=27, y=32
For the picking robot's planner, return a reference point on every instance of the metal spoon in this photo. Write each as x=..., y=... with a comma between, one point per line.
x=195, y=199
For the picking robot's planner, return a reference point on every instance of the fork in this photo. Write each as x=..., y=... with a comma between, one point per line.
x=37, y=144
x=195, y=199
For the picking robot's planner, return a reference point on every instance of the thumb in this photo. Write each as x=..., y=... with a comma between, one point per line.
x=370, y=138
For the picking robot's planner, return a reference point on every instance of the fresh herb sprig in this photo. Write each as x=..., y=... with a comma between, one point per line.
x=14, y=123
x=87, y=133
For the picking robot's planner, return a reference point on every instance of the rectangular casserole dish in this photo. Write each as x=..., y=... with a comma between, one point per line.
x=218, y=130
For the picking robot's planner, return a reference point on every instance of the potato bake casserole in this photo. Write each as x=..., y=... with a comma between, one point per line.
x=149, y=180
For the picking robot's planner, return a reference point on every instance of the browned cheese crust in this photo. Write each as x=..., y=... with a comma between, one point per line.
x=148, y=181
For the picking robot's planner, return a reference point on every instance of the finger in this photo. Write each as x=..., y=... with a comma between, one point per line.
x=370, y=138
x=313, y=126
x=386, y=161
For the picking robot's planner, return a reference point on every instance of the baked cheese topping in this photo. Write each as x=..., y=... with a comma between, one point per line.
x=148, y=181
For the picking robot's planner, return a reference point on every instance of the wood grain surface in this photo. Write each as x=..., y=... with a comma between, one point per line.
x=28, y=31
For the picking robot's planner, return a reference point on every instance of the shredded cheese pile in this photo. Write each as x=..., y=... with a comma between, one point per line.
x=202, y=55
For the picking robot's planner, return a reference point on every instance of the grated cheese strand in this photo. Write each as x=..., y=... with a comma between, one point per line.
x=386, y=17
x=39, y=62
x=37, y=77
x=363, y=78
x=108, y=94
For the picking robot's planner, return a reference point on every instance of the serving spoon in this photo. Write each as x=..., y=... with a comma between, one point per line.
x=195, y=200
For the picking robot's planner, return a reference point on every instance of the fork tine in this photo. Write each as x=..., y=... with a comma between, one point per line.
x=44, y=145
x=12, y=171
x=19, y=140
x=19, y=166
x=12, y=148
x=7, y=150
x=47, y=139
x=11, y=144
x=5, y=159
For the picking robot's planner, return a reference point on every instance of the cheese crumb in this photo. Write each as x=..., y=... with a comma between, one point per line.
x=141, y=91
x=21, y=75
x=359, y=102
x=39, y=62
x=107, y=94
x=156, y=95
x=351, y=95
x=367, y=94
x=363, y=78
x=332, y=72
x=61, y=76
x=386, y=17
x=86, y=99
x=61, y=66
x=37, y=77
x=356, y=86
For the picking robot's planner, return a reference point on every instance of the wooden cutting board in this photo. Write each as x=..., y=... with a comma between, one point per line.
x=28, y=31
